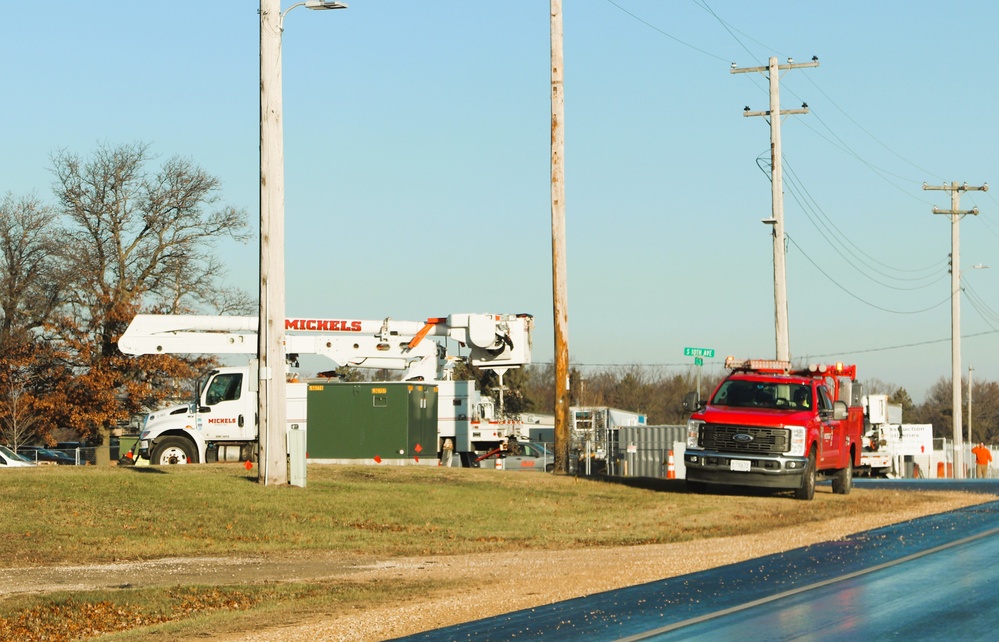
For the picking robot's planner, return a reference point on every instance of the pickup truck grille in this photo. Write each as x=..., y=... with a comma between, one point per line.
x=769, y=441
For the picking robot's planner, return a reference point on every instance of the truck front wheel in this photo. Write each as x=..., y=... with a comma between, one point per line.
x=807, y=489
x=842, y=483
x=173, y=450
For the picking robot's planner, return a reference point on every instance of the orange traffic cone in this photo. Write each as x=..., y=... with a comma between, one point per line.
x=670, y=467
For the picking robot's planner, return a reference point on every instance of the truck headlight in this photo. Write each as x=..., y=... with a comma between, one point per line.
x=693, y=432
x=797, y=441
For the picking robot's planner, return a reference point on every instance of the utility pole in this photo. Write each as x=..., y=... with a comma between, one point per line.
x=271, y=397
x=777, y=192
x=955, y=213
x=272, y=413
x=559, y=284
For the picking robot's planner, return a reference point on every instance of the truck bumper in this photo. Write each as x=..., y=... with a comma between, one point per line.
x=766, y=471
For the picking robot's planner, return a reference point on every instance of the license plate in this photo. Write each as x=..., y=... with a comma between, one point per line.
x=740, y=465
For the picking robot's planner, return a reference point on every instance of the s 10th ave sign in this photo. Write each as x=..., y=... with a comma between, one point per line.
x=699, y=354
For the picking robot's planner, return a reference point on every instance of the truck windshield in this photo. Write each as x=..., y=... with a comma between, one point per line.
x=740, y=393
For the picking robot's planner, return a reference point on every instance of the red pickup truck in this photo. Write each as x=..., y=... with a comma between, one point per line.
x=770, y=426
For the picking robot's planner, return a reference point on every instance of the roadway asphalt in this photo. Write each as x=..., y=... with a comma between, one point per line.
x=926, y=579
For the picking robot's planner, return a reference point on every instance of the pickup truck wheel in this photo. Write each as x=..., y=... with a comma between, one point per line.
x=173, y=450
x=807, y=489
x=842, y=483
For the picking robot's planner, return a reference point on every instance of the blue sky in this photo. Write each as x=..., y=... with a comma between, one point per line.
x=417, y=161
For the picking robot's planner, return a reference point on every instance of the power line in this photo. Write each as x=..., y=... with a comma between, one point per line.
x=868, y=303
x=861, y=128
x=729, y=28
x=668, y=35
x=844, y=241
x=840, y=353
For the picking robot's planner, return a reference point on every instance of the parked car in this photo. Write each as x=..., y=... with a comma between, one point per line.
x=10, y=459
x=77, y=450
x=528, y=455
x=39, y=454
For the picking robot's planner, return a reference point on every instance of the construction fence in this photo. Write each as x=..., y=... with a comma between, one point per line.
x=630, y=451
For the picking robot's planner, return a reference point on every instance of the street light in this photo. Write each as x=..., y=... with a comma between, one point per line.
x=318, y=5
x=271, y=397
x=971, y=370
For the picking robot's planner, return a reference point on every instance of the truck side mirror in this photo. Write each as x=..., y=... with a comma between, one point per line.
x=692, y=402
x=840, y=410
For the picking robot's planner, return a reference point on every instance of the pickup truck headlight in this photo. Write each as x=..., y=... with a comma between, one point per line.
x=693, y=432
x=797, y=448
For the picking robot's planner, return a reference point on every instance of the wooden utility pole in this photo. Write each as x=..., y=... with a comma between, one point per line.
x=955, y=213
x=559, y=285
x=271, y=396
x=777, y=194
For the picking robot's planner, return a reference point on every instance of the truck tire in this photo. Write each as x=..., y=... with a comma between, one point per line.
x=173, y=450
x=842, y=482
x=807, y=489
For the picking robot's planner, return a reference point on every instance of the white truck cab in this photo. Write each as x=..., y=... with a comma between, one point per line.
x=220, y=426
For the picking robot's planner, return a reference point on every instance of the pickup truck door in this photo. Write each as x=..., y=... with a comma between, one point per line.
x=830, y=432
x=225, y=412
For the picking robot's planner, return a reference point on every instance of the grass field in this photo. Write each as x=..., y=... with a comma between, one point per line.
x=85, y=515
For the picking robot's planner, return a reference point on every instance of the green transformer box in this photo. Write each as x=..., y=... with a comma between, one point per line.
x=372, y=422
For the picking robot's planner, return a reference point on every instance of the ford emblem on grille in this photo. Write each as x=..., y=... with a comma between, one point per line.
x=742, y=438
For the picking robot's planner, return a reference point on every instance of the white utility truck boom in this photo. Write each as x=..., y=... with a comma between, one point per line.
x=221, y=424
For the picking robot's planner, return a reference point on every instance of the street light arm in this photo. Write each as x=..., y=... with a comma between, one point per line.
x=317, y=5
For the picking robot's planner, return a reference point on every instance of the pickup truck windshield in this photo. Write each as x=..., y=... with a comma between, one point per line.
x=741, y=393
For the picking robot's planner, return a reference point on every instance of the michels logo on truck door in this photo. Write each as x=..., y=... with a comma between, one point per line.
x=322, y=325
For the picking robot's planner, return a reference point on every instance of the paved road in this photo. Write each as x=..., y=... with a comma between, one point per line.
x=933, y=578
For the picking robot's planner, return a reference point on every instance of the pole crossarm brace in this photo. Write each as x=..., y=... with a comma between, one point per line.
x=783, y=112
x=954, y=187
x=790, y=65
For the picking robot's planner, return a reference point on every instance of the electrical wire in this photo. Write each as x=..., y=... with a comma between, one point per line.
x=729, y=28
x=795, y=186
x=867, y=303
x=863, y=129
x=813, y=212
x=668, y=35
x=988, y=315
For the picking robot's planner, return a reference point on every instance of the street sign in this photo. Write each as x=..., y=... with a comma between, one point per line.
x=698, y=361
x=708, y=353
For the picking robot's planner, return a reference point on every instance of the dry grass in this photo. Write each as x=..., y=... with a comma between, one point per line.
x=61, y=515
x=57, y=516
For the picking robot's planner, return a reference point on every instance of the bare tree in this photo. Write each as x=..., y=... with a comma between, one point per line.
x=32, y=279
x=19, y=419
x=139, y=240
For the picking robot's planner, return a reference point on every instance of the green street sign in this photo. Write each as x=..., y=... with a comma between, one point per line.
x=707, y=353
x=698, y=361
